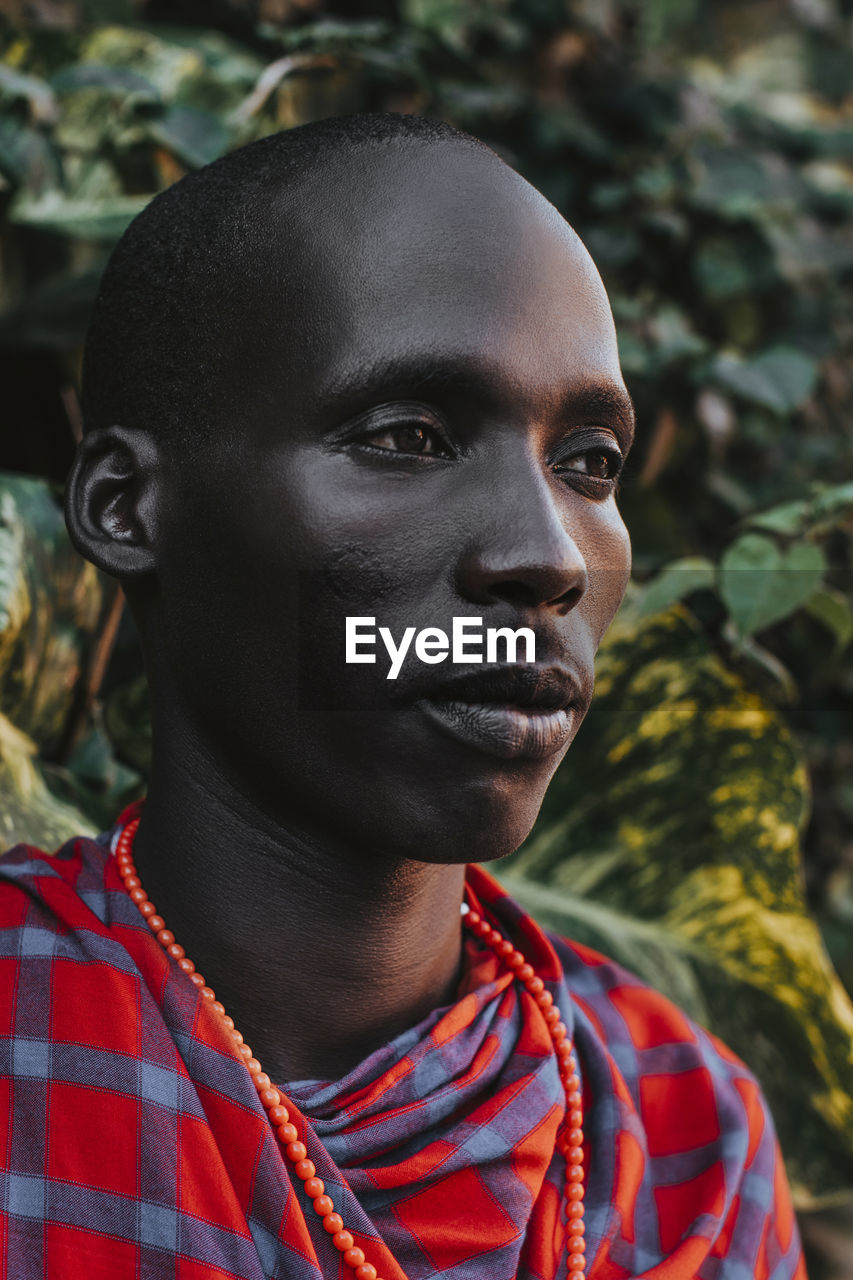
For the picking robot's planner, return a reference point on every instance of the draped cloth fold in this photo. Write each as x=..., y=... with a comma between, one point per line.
x=133, y=1143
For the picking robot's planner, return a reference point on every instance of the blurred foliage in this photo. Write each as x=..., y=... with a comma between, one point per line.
x=50, y=604
x=670, y=840
x=704, y=152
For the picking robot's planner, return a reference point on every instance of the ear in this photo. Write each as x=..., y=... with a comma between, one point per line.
x=112, y=500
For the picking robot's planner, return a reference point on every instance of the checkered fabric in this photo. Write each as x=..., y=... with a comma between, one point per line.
x=133, y=1143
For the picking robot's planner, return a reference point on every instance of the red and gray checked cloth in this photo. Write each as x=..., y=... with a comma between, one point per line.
x=133, y=1143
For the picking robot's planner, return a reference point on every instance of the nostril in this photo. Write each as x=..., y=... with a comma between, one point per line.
x=525, y=595
x=567, y=600
x=513, y=591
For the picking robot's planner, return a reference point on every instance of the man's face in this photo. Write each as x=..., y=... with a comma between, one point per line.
x=433, y=414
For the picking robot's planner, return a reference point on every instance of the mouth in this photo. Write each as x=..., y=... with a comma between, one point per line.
x=512, y=713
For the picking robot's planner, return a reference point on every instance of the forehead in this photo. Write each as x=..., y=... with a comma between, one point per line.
x=431, y=259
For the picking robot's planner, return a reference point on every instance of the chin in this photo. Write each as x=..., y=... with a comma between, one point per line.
x=481, y=828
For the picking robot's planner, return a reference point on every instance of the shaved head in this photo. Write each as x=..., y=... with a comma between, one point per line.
x=174, y=326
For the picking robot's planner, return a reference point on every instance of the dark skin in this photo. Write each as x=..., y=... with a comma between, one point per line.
x=436, y=435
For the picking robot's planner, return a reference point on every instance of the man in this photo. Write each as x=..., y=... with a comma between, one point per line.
x=356, y=371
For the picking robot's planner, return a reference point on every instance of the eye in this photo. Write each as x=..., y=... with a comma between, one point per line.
x=409, y=437
x=595, y=467
x=603, y=464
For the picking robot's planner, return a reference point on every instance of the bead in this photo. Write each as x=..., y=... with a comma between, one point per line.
x=574, y=1099
x=208, y=994
x=535, y=985
x=197, y=979
x=577, y=1230
x=574, y=1192
x=269, y=1097
x=147, y=908
x=229, y=1022
x=576, y=1261
x=552, y=1015
x=494, y=938
x=574, y=1173
x=279, y=1115
x=575, y=1156
x=262, y=1081
x=354, y=1258
x=186, y=964
x=572, y=1084
x=575, y=1118
x=176, y=951
x=287, y=1133
x=156, y=923
x=219, y=1007
x=244, y=1051
x=138, y=895
x=314, y=1187
x=559, y=1033
x=297, y=1151
x=575, y=1275
x=473, y=918
x=366, y=1272
x=576, y=1242
x=323, y=1205
x=253, y=1067
x=574, y=1137
x=516, y=960
x=165, y=937
x=505, y=949
x=574, y=1209
x=333, y=1222
x=544, y=999
x=343, y=1241
x=525, y=973
x=304, y=1170
x=236, y=1036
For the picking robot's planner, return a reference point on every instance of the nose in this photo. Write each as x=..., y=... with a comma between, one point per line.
x=523, y=555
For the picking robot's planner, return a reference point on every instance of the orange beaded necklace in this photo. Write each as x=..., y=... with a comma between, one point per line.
x=570, y=1142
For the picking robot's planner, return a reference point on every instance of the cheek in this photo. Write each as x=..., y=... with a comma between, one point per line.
x=607, y=553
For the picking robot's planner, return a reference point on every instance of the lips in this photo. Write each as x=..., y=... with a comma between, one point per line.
x=524, y=712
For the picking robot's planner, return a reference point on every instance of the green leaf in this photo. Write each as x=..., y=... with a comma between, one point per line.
x=15, y=85
x=31, y=811
x=27, y=157
x=834, y=503
x=118, y=80
x=781, y=379
x=675, y=582
x=827, y=506
x=195, y=137
x=835, y=612
x=653, y=952
x=788, y=518
x=83, y=219
x=733, y=266
x=760, y=583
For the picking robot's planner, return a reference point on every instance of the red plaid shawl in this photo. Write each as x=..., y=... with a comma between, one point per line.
x=133, y=1144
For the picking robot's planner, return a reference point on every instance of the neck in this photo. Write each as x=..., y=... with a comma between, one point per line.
x=320, y=953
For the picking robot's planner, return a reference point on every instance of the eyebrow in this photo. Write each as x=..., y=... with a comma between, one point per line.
x=594, y=400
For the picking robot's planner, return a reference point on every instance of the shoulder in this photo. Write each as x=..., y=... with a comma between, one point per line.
x=685, y=1123
x=683, y=1089
x=53, y=891
x=659, y=1047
